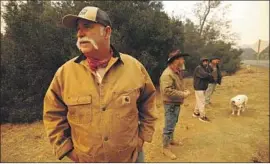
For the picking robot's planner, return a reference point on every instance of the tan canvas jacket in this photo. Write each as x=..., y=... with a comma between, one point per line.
x=100, y=121
x=172, y=87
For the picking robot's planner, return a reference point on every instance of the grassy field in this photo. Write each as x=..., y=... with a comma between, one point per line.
x=226, y=139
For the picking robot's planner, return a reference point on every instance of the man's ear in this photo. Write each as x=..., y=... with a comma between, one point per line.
x=108, y=32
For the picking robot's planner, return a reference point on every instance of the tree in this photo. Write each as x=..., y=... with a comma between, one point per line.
x=210, y=36
x=212, y=21
x=202, y=11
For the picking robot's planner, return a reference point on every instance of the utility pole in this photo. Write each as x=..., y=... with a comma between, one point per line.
x=259, y=45
x=258, y=54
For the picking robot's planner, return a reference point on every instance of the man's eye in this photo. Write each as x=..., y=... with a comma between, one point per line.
x=88, y=25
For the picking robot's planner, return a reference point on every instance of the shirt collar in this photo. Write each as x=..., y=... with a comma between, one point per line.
x=83, y=57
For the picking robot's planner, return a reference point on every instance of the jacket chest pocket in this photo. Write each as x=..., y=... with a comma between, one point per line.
x=125, y=118
x=79, y=109
x=126, y=99
x=125, y=104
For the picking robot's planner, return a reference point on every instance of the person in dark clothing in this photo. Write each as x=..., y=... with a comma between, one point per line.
x=216, y=73
x=201, y=76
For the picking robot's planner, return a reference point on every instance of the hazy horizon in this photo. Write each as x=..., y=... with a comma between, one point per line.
x=241, y=13
x=249, y=19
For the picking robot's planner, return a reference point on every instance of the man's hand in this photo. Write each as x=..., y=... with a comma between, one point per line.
x=140, y=144
x=72, y=155
x=186, y=93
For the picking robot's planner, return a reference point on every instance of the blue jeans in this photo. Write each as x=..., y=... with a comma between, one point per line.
x=140, y=158
x=171, y=118
x=208, y=93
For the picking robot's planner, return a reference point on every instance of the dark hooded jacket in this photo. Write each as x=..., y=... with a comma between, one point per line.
x=219, y=77
x=201, y=77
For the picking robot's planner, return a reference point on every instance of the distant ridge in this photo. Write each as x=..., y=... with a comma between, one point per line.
x=248, y=54
x=254, y=46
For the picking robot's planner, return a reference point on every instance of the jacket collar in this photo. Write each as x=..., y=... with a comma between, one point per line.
x=115, y=54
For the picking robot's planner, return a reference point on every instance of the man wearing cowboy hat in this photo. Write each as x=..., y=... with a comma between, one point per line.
x=173, y=93
x=216, y=73
x=95, y=109
x=201, y=78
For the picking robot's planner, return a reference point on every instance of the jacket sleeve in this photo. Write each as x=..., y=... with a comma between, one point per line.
x=201, y=73
x=147, y=107
x=167, y=87
x=219, y=75
x=55, y=119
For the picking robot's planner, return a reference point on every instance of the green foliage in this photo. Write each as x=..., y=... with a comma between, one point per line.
x=33, y=47
x=206, y=46
x=36, y=44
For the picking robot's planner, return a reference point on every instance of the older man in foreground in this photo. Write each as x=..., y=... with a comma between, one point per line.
x=100, y=105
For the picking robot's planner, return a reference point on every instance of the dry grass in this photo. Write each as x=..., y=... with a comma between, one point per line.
x=226, y=139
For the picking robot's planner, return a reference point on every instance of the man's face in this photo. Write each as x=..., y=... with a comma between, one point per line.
x=90, y=36
x=215, y=61
x=205, y=63
x=179, y=62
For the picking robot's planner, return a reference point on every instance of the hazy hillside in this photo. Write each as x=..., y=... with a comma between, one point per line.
x=248, y=54
x=263, y=45
x=251, y=50
x=265, y=54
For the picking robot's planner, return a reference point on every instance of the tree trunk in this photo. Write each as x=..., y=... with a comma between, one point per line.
x=205, y=16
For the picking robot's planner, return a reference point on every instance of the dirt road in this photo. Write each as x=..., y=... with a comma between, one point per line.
x=226, y=139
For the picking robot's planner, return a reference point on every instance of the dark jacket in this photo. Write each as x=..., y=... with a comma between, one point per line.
x=201, y=77
x=219, y=78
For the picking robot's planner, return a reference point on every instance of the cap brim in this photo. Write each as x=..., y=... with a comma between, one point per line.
x=70, y=21
x=214, y=59
x=204, y=59
x=177, y=56
x=183, y=55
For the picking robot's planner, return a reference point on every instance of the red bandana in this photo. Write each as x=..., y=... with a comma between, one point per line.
x=95, y=63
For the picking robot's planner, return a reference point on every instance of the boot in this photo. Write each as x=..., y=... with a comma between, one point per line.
x=167, y=151
x=176, y=143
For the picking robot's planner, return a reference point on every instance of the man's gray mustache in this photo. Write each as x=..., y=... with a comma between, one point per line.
x=86, y=39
